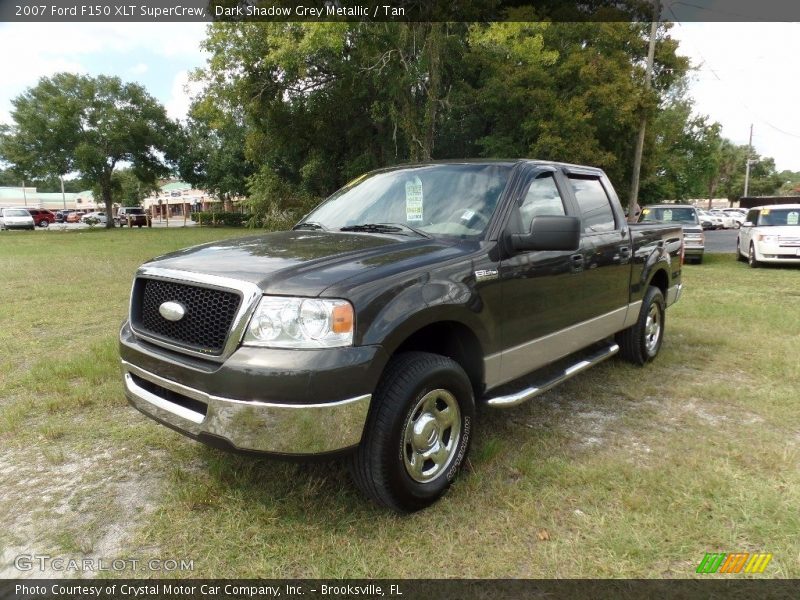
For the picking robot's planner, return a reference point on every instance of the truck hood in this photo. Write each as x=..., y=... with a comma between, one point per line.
x=305, y=263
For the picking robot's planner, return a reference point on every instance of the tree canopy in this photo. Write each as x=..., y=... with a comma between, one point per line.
x=311, y=105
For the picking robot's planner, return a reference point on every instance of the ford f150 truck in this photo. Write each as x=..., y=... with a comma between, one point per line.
x=374, y=327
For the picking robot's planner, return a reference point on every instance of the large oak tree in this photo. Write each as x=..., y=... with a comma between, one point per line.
x=72, y=123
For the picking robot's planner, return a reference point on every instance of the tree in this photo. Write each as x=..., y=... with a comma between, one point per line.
x=682, y=157
x=77, y=123
x=213, y=156
x=127, y=189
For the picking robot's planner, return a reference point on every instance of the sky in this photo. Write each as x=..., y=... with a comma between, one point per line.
x=745, y=72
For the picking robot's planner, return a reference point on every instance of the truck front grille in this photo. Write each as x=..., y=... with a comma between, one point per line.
x=207, y=321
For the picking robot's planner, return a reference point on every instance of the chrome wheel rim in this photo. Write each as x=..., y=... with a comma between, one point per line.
x=431, y=435
x=652, y=329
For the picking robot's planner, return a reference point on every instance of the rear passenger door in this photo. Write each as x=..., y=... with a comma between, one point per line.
x=605, y=247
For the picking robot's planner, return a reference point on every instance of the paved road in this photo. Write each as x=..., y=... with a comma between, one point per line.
x=721, y=241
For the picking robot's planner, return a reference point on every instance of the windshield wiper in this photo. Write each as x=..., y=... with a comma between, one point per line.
x=384, y=228
x=310, y=225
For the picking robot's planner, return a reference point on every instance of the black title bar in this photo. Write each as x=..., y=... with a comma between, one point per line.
x=154, y=11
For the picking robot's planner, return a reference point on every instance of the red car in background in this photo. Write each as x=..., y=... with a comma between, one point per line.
x=42, y=217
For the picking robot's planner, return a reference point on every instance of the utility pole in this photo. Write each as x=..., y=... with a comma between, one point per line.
x=24, y=194
x=747, y=168
x=637, y=157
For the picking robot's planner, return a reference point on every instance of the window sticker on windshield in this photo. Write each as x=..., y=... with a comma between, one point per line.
x=667, y=215
x=467, y=215
x=793, y=218
x=646, y=211
x=414, y=200
x=765, y=211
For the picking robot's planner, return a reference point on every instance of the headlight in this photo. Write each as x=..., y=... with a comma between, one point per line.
x=769, y=239
x=281, y=322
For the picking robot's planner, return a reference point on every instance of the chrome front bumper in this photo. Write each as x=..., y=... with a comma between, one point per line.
x=290, y=429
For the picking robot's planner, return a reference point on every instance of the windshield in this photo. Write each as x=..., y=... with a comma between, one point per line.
x=454, y=200
x=134, y=211
x=672, y=214
x=15, y=212
x=779, y=217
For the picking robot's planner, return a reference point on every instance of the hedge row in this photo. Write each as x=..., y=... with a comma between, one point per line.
x=221, y=219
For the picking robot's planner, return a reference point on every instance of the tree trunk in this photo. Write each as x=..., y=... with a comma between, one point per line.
x=433, y=98
x=108, y=200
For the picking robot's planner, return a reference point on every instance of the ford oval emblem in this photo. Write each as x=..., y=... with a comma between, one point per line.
x=172, y=311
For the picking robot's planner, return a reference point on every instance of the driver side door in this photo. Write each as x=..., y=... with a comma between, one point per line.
x=541, y=290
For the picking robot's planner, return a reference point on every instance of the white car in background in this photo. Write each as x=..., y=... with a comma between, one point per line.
x=728, y=221
x=770, y=234
x=709, y=221
x=95, y=217
x=16, y=218
x=737, y=214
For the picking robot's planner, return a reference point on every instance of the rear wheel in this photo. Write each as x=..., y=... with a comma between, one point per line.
x=641, y=342
x=44, y=223
x=417, y=434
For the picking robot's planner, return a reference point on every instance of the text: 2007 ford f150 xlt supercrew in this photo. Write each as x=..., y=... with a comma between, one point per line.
x=375, y=326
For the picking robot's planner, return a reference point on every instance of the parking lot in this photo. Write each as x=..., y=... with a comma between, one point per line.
x=721, y=241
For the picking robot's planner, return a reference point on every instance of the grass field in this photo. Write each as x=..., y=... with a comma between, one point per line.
x=622, y=472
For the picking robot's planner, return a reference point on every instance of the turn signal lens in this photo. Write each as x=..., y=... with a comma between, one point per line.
x=342, y=318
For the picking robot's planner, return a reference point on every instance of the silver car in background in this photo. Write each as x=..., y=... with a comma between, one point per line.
x=694, y=241
x=16, y=218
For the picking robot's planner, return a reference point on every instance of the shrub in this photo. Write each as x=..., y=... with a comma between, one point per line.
x=221, y=219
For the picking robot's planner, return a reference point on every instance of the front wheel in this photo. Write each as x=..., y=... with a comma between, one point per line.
x=739, y=256
x=751, y=257
x=417, y=434
x=641, y=342
x=44, y=223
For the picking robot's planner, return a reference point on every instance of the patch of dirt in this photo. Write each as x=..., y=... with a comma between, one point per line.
x=71, y=506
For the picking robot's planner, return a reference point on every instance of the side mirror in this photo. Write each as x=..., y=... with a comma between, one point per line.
x=549, y=232
x=747, y=224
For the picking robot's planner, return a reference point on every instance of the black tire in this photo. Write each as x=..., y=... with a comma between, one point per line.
x=640, y=343
x=386, y=466
x=44, y=223
x=751, y=257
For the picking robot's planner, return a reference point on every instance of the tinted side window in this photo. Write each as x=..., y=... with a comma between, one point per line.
x=542, y=198
x=752, y=216
x=594, y=203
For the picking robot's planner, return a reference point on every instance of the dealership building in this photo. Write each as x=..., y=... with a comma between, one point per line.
x=28, y=197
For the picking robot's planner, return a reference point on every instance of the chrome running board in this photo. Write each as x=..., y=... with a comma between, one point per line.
x=531, y=392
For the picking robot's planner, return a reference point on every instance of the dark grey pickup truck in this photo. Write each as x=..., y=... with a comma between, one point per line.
x=376, y=325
